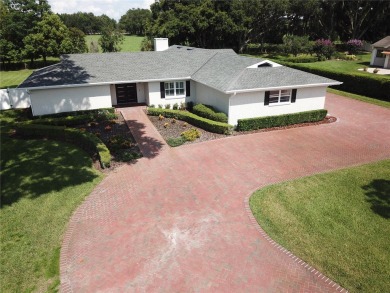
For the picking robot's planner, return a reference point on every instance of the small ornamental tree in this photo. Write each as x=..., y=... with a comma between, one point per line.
x=111, y=40
x=354, y=46
x=296, y=44
x=324, y=49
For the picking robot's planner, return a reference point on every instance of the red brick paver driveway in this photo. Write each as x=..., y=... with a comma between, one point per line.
x=176, y=220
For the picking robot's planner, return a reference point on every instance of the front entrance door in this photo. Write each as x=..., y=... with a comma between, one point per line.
x=126, y=93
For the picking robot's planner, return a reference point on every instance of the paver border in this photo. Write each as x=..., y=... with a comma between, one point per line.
x=282, y=249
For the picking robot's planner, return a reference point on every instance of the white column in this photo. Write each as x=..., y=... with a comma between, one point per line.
x=373, y=55
x=387, y=61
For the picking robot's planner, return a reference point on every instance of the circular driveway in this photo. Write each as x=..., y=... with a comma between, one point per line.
x=177, y=220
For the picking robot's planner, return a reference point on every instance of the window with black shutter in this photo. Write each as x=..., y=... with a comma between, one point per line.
x=266, y=98
x=188, y=88
x=294, y=96
x=162, y=90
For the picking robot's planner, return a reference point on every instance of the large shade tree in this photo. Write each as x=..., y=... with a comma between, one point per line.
x=135, y=21
x=47, y=38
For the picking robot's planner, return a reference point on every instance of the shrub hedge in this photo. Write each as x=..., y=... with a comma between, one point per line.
x=280, y=120
x=206, y=124
x=98, y=114
x=373, y=86
x=85, y=140
x=207, y=111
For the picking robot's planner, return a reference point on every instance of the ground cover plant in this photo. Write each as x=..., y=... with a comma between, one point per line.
x=337, y=222
x=43, y=182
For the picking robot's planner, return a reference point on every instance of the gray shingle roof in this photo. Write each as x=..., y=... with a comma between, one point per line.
x=384, y=43
x=222, y=69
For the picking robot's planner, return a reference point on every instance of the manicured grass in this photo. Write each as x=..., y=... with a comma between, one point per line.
x=360, y=98
x=11, y=79
x=42, y=182
x=338, y=222
x=130, y=43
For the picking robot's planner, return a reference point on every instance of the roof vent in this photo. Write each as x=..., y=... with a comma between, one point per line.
x=189, y=49
x=264, y=63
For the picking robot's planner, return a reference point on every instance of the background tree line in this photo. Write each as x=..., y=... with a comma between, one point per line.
x=237, y=23
x=29, y=29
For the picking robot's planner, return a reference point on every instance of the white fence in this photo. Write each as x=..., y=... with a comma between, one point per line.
x=14, y=99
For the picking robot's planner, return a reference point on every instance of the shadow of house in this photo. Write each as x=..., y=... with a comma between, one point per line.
x=150, y=147
x=378, y=195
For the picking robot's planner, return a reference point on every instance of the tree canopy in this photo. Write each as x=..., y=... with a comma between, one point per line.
x=135, y=21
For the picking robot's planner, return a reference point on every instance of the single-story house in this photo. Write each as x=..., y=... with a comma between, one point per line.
x=381, y=53
x=242, y=87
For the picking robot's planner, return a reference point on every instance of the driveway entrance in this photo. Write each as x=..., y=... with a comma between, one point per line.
x=177, y=220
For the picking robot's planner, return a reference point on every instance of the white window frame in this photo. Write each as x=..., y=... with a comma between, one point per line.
x=279, y=94
x=175, y=87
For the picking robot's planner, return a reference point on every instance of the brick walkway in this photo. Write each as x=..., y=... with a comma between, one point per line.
x=177, y=220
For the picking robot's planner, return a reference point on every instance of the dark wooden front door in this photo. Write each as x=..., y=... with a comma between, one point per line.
x=126, y=93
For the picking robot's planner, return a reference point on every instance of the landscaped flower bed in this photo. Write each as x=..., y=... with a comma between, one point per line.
x=171, y=129
x=117, y=137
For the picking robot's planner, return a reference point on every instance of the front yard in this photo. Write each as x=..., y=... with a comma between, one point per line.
x=337, y=222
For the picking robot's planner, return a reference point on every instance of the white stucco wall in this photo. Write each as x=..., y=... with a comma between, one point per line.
x=209, y=96
x=250, y=105
x=50, y=101
x=153, y=95
x=14, y=99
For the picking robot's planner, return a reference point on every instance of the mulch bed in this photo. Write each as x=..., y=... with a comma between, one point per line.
x=107, y=129
x=174, y=130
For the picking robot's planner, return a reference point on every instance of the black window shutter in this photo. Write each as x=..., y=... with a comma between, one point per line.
x=294, y=96
x=162, y=90
x=266, y=98
x=188, y=88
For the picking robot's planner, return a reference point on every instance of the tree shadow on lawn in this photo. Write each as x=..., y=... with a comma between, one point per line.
x=378, y=194
x=32, y=168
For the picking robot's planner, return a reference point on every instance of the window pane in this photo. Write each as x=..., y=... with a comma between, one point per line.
x=273, y=99
x=284, y=99
x=274, y=93
x=285, y=92
x=179, y=91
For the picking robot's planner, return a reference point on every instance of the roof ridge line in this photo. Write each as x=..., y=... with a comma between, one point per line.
x=207, y=61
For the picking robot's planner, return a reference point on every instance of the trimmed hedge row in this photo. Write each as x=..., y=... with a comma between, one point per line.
x=104, y=113
x=280, y=120
x=72, y=119
x=373, y=86
x=208, y=112
x=206, y=124
x=85, y=140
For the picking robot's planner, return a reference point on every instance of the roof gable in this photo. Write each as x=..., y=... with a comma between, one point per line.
x=383, y=43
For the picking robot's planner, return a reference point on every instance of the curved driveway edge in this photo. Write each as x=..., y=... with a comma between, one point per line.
x=175, y=221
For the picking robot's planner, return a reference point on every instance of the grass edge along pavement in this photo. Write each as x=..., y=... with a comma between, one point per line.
x=43, y=182
x=359, y=98
x=334, y=221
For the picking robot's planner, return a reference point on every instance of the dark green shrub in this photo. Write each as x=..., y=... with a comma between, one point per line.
x=206, y=124
x=177, y=141
x=300, y=59
x=175, y=106
x=103, y=114
x=189, y=106
x=357, y=82
x=118, y=142
x=191, y=134
x=296, y=44
x=168, y=106
x=126, y=156
x=85, y=140
x=280, y=120
x=209, y=112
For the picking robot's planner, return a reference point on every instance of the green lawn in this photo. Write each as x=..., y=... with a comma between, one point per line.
x=337, y=222
x=130, y=43
x=360, y=98
x=42, y=182
x=10, y=79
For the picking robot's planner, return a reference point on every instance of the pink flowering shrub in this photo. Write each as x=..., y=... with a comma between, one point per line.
x=354, y=46
x=324, y=49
